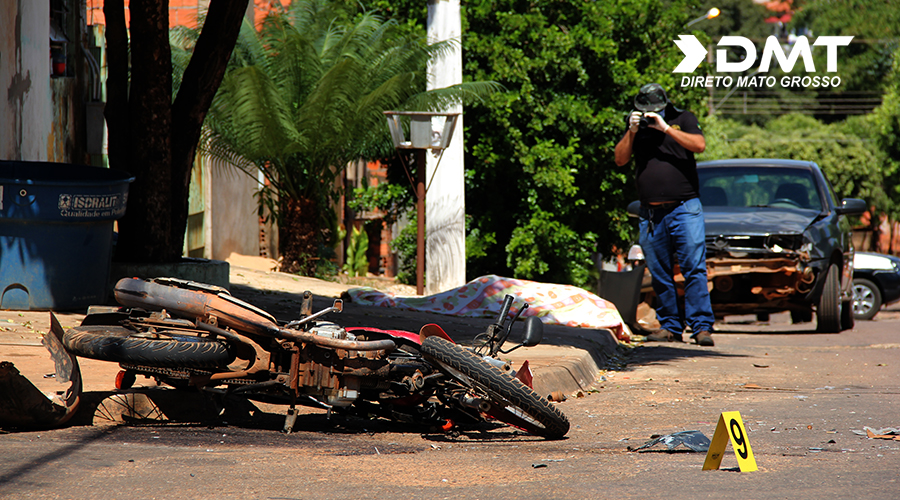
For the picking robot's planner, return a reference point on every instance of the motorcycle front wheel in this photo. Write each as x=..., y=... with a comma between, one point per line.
x=512, y=402
x=122, y=345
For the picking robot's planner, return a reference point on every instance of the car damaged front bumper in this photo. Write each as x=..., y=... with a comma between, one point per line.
x=749, y=274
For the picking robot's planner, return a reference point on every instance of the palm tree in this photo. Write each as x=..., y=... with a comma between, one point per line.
x=304, y=96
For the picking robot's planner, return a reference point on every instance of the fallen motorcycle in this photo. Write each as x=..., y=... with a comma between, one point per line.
x=186, y=334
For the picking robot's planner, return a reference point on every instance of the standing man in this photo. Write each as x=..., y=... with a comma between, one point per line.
x=663, y=140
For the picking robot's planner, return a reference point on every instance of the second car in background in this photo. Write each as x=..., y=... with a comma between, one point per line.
x=876, y=283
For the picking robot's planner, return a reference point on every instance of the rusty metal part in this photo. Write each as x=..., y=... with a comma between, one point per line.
x=350, y=345
x=306, y=303
x=194, y=304
x=323, y=369
x=771, y=278
x=336, y=308
x=259, y=361
x=718, y=266
x=229, y=312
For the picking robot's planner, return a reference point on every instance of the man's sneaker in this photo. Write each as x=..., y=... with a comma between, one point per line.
x=704, y=338
x=661, y=335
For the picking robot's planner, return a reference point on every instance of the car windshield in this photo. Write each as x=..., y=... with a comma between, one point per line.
x=750, y=186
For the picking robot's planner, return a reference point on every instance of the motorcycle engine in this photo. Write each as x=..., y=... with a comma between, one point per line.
x=331, y=330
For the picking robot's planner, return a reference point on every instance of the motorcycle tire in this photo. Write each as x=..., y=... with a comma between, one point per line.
x=121, y=345
x=512, y=402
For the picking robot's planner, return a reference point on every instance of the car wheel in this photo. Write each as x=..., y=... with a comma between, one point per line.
x=828, y=313
x=866, y=299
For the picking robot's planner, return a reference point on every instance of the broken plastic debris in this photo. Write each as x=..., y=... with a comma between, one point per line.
x=885, y=433
x=694, y=440
x=558, y=396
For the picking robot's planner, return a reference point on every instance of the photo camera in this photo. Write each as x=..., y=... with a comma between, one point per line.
x=644, y=122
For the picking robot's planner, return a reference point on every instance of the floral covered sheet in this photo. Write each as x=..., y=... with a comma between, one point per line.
x=482, y=297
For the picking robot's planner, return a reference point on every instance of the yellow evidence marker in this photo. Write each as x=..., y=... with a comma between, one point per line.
x=730, y=427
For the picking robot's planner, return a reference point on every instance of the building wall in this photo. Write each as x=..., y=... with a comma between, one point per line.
x=234, y=212
x=26, y=106
x=182, y=12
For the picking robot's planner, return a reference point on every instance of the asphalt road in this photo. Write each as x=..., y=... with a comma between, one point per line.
x=800, y=394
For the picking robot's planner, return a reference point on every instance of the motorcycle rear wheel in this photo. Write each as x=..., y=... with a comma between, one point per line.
x=512, y=401
x=121, y=345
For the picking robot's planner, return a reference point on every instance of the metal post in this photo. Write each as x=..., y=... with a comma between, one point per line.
x=420, y=221
x=423, y=137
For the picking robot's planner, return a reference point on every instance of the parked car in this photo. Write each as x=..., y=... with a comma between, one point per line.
x=876, y=283
x=777, y=239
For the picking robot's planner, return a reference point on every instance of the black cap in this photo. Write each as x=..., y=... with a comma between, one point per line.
x=651, y=98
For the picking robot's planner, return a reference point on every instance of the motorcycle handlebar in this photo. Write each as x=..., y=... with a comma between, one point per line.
x=504, y=309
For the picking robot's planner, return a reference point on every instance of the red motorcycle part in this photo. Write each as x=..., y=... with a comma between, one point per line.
x=432, y=330
x=125, y=379
x=525, y=375
x=393, y=333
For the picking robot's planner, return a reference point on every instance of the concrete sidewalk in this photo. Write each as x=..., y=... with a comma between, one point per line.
x=568, y=359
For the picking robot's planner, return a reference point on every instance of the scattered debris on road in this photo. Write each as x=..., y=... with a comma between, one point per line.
x=694, y=440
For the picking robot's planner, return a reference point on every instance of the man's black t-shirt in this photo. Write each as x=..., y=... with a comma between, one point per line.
x=665, y=170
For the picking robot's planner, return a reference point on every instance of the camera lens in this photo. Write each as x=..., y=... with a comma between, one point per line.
x=643, y=123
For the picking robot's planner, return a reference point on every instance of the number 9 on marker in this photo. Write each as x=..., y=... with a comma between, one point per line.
x=730, y=428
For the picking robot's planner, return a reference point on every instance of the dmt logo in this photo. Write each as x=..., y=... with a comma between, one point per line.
x=695, y=52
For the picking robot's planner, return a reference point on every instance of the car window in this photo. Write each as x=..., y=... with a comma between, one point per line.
x=759, y=187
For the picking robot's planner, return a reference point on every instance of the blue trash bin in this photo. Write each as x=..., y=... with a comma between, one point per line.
x=56, y=233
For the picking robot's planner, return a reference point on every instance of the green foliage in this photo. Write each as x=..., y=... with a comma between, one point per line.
x=541, y=177
x=544, y=240
x=392, y=199
x=875, y=26
x=477, y=244
x=304, y=96
x=852, y=164
x=884, y=126
x=404, y=245
x=357, y=264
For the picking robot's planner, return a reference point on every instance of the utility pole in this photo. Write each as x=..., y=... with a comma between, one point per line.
x=445, y=210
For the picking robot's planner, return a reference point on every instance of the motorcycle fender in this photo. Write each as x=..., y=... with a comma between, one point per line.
x=432, y=330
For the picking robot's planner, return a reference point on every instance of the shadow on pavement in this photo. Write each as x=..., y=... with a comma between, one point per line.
x=44, y=464
x=658, y=354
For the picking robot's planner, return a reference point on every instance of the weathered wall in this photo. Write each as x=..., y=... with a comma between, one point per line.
x=26, y=102
x=234, y=212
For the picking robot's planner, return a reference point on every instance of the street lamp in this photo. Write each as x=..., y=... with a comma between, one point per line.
x=422, y=137
x=713, y=12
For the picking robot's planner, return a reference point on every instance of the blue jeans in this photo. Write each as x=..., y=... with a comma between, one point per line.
x=671, y=233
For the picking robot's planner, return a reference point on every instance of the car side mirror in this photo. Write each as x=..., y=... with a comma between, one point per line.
x=534, y=331
x=852, y=206
x=634, y=208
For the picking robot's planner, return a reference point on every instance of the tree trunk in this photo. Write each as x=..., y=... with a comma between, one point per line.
x=145, y=233
x=116, y=109
x=150, y=136
x=298, y=236
x=198, y=88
